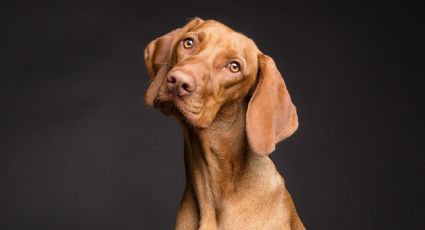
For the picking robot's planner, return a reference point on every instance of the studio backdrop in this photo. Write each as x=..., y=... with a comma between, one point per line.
x=80, y=150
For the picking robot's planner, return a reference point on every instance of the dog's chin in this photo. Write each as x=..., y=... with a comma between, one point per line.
x=166, y=107
x=178, y=108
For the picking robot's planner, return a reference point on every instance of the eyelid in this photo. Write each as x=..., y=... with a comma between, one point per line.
x=185, y=38
x=194, y=37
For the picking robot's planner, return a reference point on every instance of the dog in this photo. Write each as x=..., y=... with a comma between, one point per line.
x=233, y=106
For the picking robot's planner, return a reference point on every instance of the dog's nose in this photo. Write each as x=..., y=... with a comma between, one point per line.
x=180, y=83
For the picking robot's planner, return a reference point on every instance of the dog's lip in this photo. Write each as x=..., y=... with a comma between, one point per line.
x=182, y=105
x=178, y=104
x=165, y=106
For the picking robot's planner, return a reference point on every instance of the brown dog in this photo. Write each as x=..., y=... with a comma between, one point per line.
x=234, y=107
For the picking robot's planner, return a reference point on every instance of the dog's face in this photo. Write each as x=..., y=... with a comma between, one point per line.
x=199, y=68
x=210, y=65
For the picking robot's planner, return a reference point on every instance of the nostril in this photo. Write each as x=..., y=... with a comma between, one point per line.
x=185, y=86
x=171, y=79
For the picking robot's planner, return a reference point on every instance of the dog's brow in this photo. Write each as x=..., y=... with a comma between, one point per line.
x=200, y=36
x=232, y=54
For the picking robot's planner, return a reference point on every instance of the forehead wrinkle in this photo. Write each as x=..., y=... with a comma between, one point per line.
x=233, y=54
x=220, y=41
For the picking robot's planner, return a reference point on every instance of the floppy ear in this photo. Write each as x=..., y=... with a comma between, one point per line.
x=158, y=57
x=271, y=116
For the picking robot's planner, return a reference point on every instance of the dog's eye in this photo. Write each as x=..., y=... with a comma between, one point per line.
x=188, y=43
x=234, y=67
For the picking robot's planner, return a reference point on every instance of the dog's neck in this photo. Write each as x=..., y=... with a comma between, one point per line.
x=215, y=157
x=219, y=149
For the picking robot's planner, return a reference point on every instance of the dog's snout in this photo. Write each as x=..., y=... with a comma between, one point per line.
x=180, y=83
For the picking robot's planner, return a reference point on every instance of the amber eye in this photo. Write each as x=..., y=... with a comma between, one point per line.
x=188, y=43
x=234, y=67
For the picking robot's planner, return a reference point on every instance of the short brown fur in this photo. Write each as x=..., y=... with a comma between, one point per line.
x=231, y=122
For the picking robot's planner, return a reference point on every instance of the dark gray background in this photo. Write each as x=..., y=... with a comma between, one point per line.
x=80, y=151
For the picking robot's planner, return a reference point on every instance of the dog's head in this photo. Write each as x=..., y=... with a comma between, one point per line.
x=198, y=68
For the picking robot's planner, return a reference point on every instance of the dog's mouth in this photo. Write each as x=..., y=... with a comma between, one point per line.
x=181, y=108
x=166, y=107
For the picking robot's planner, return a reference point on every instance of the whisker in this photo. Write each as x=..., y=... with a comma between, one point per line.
x=148, y=82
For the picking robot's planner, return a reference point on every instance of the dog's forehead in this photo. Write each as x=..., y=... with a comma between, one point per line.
x=213, y=30
x=213, y=27
x=222, y=36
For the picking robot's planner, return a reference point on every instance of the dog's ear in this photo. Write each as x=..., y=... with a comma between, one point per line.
x=158, y=57
x=271, y=116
